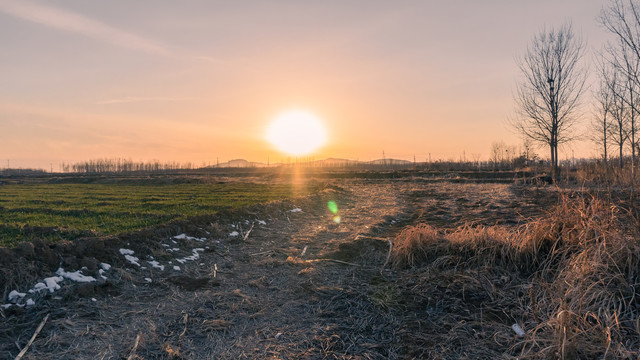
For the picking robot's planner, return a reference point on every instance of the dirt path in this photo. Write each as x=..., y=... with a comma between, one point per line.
x=300, y=286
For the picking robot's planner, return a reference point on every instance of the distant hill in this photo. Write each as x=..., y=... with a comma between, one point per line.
x=330, y=162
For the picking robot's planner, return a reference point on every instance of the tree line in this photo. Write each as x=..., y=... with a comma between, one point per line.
x=118, y=165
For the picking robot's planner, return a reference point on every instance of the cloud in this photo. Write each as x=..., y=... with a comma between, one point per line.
x=137, y=99
x=76, y=23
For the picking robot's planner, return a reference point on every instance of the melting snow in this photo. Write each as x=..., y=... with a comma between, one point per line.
x=30, y=302
x=52, y=283
x=147, y=279
x=176, y=267
x=126, y=252
x=105, y=266
x=132, y=259
x=75, y=276
x=185, y=237
x=156, y=265
x=14, y=295
x=234, y=233
x=262, y=222
x=295, y=210
x=193, y=257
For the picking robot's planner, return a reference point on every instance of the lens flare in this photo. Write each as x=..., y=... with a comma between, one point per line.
x=333, y=206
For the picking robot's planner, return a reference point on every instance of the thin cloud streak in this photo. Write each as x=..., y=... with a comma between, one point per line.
x=79, y=24
x=136, y=99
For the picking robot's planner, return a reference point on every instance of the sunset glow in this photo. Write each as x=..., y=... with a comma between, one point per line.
x=297, y=133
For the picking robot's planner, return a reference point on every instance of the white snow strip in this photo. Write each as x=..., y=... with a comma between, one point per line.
x=6, y=306
x=156, y=265
x=52, y=283
x=234, y=233
x=173, y=249
x=185, y=237
x=193, y=257
x=75, y=276
x=14, y=295
x=262, y=222
x=93, y=299
x=147, y=279
x=30, y=302
x=166, y=245
x=126, y=252
x=101, y=272
x=132, y=259
x=176, y=267
x=105, y=266
x=295, y=210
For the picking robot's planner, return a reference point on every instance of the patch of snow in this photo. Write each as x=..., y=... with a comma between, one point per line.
x=262, y=222
x=132, y=259
x=143, y=267
x=6, y=306
x=296, y=210
x=37, y=287
x=173, y=249
x=185, y=237
x=173, y=241
x=14, y=295
x=233, y=226
x=234, y=233
x=147, y=279
x=246, y=222
x=93, y=299
x=156, y=265
x=75, y=276
x=166, y=245
x=176, y=267
x=52, y=283
x=193, y=257
x=105, y=266
x=126, y=252
x=30, y=302
x=101, y=272
x=517, y=329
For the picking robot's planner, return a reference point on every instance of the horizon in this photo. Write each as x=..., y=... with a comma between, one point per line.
x=204, y=81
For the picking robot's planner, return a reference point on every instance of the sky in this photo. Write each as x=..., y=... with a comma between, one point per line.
x=200, y=81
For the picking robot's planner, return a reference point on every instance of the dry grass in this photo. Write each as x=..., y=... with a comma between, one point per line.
x=581, y=268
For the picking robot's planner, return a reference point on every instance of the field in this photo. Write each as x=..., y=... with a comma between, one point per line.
x=69, y=211
x=397, y=267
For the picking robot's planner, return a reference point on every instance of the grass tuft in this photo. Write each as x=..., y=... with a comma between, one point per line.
x=580, y=265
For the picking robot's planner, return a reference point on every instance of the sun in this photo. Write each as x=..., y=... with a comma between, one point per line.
x=297, y=132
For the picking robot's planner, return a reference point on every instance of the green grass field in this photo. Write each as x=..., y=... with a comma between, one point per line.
x=76, y=209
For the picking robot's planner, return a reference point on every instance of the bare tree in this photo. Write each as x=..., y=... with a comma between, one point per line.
x=619, y=111
x=622, y=19
x=548, y=96
x=604, y=98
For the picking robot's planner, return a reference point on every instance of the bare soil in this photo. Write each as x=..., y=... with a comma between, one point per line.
x=300, y=287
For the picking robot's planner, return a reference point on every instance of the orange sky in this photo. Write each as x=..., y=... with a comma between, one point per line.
x=195, y=81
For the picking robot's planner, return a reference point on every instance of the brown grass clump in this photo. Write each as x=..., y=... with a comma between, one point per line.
x=579, y=266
